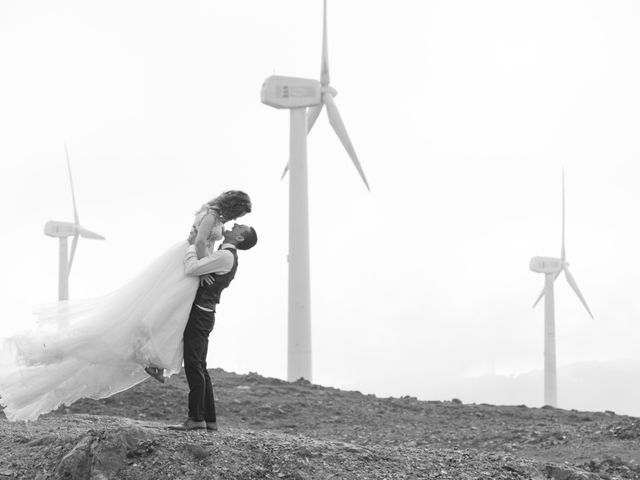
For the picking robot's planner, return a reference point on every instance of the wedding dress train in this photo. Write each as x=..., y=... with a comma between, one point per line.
x=97, y=347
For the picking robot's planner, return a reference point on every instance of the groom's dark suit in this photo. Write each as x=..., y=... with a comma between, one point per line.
x=200, y=325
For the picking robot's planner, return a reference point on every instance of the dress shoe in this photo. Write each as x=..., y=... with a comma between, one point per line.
x=189, y=424
x=212, y=426
x=155, y=372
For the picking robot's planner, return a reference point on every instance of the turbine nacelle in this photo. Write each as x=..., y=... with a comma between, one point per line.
x=68, y=229
x=290, y=92
x=546, y=265
x=60, y=229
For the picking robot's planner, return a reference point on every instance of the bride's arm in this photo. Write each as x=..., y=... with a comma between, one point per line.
x=204, y=230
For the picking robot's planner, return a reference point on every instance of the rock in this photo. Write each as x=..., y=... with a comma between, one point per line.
x=76, y=465
x=565, y=472
x=99, y=456
x=107, y=459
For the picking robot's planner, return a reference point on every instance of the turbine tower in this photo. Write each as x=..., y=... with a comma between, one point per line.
x=552, y=268
x=296, y=94
x=63, y=230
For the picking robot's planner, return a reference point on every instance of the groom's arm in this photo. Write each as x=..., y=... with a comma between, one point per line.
x=220, y=261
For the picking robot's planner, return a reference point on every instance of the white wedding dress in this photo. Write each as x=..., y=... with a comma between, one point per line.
x=97, y=347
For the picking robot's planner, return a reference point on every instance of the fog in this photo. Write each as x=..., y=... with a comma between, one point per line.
x=463, y=115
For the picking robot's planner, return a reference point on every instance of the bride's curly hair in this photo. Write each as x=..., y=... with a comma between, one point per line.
x=231, y=204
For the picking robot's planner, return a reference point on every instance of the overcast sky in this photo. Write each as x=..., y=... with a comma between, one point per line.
x=463, y=114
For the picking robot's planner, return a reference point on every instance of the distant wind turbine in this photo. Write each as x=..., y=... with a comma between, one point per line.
x=63, y=230
x=296, y=94
x=552, y=268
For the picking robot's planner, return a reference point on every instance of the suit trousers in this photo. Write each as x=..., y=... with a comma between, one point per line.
x=196, y=343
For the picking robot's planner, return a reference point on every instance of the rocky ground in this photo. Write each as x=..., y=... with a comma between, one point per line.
x=273, y=429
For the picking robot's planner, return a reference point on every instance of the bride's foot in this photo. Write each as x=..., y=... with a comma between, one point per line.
x=155, y=372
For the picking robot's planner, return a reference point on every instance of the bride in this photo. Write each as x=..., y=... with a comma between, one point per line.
x=97, y=347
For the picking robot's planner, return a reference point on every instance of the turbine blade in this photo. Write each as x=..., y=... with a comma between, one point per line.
x=562, y=251
x=312, y=116
x=73, y=194
x=89, y=234
x=573, y=284
x=284, y=172
x=538, y=299
x=73, y=252
x=542, y=293
x=324, y=69
x=341, y=131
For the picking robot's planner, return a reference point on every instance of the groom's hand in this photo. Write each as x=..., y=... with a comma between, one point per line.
x=207, y=279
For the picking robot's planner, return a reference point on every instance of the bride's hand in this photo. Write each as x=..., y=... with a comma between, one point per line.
x=192, y=236
x=207, y=280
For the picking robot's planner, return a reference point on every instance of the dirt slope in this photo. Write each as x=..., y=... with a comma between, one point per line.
x=274, y=429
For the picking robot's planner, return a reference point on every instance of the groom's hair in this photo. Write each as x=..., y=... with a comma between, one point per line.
x=250, y=239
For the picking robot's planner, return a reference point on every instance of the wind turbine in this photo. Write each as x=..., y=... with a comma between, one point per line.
x=63, y=230
x=552, y=268
x=296, y=94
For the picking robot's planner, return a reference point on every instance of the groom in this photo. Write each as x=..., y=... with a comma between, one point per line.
x=216, y=271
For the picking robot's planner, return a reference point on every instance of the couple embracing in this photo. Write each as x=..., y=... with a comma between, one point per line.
x=97, y=347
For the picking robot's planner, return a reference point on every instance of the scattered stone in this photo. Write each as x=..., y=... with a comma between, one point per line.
x=198, y=452
x=566, y=472
x=276, y=429
x=626, y=430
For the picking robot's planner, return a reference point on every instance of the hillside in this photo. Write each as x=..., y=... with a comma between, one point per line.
x=274, y=429
x=589, y=386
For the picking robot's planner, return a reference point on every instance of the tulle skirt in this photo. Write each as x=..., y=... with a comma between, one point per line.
x=97, y=347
